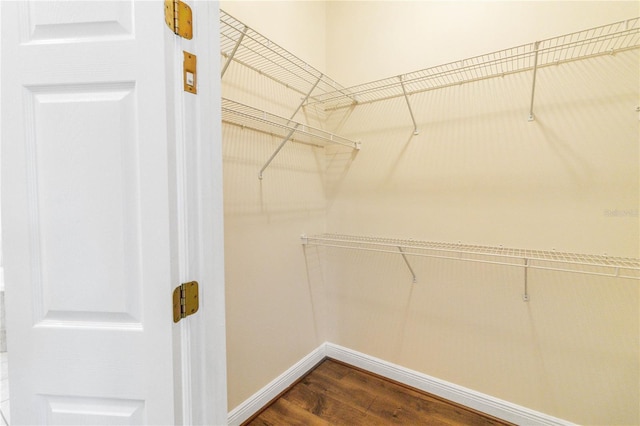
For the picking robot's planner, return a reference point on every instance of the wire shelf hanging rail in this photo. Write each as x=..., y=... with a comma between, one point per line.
x=602, y=40
x=287, y=129
x=590, y=264
x=243, y=45
x=246, y=116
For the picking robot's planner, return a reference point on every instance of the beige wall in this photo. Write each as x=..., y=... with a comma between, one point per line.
x=479, y=172
x=297, y=25
x=272, y=311
x=370, y=40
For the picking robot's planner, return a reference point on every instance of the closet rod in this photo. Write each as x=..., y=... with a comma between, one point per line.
x=525, y=257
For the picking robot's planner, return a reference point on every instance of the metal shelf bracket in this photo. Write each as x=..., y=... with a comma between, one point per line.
x=233, y=52
x=533, y=85
x=413, y=274
x=406, y=98
x=286, y=139
x=306, y=98
x=525, y=295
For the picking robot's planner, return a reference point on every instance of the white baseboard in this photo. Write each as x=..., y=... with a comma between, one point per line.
x=261, y=398
x=485, y=403
x=461, y=395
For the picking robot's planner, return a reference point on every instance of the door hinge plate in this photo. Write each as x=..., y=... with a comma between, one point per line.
x=185, y=300
x=179, y=18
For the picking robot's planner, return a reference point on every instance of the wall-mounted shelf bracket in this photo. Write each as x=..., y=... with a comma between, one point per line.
x=525, y=295
x=284, y=141
x=233, y=52
x=413, y=274
x=406, y=98
x=533, y=85
x=306, y=98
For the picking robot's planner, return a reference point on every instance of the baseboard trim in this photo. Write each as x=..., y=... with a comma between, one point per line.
x=461, y=395
x=261, y=398
x=478, y=401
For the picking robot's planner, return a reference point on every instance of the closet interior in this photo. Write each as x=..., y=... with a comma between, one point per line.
x=324, y=184
x=246, y=47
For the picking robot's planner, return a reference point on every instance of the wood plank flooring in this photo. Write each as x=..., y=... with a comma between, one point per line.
x=337, y=394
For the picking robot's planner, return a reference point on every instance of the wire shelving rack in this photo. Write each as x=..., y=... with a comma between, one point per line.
x=589, y=264
x=603, y=40
x=245, y=116
x=262, y=121
x=243, y=45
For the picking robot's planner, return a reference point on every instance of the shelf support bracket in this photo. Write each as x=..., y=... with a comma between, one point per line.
x=233, y=52
x=413, y=274
x=525, y=295
x=286, y=139
x=406, y=98
x=304, y=100
x=532, y=117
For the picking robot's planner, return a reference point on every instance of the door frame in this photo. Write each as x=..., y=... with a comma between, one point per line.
x=199, y=340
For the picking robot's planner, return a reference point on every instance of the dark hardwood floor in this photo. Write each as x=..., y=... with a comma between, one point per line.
x=337, y=394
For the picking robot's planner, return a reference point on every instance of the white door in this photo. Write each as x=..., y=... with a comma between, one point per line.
x=111, y=198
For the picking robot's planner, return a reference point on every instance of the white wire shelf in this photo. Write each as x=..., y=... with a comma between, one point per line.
x=590, y=264
x=235, y=113
x=606, y=39
x=242, y=45
x=265, y=122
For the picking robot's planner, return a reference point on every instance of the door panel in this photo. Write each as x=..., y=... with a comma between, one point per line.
x=49, y=22
x=92, y=411
x=87, y=235
x=83, y=185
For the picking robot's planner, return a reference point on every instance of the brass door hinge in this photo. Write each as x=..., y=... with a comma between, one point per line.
x=185, y=300
x=179, y=18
